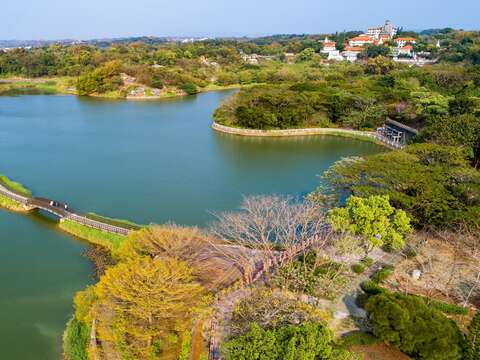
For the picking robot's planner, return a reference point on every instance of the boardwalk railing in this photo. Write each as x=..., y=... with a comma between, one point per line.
x=97, y=224
x=11, y=195
x=62, y=212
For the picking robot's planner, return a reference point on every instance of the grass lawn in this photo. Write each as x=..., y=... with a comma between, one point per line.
x=10, y=204
x=15, y=186
x=49, y=86
x=102, y=238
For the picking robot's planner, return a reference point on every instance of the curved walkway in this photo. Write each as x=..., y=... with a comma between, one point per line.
x=61, y=211
x=357, y=134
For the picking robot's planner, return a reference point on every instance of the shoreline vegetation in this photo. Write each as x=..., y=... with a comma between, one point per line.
x=12, y=205
x=93, y=236
x=14, y=86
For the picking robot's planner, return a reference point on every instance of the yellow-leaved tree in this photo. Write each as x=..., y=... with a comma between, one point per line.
x=147, y=304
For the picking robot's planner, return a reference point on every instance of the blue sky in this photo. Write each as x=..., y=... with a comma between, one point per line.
x=86, y=19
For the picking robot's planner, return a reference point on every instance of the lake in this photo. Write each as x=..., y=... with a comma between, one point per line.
x=145, y=161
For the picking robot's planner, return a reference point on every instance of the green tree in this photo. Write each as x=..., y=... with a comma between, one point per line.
x=460, y=130
x=374, y=51
x=473, y=339
x=305, y=55
x=416, y=329
x=100, y=80
x=190, y=88
x=309, y=341
x=374, y=220
x=379, y=66
x=434, y=184
x=460, y=105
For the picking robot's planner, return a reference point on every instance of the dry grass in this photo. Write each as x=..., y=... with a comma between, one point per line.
x=448, y=265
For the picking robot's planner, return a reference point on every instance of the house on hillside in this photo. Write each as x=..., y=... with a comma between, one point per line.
x=402, y=41
x=361, y=40
x=351, y=53
x=330, y=48
x=406, y=50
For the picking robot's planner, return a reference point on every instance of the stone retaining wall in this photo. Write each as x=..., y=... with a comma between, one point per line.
x=294, y=132
x=356, y=134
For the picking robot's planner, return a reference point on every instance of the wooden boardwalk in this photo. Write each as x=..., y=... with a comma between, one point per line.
x=61, y=211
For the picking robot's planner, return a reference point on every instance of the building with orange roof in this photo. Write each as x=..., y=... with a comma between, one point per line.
x=402, y=41
x=351, y=53
x=361, y=40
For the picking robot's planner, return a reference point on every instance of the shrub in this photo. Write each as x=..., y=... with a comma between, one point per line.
x=444, y=307
x=190, y=88
x=358, y=268
x=415, y=328
x=308, y=341
x=312, y=275
x=358, y=338
x=473, y=339
x=185, y=350
x=367, y=261
x=383, y=274
x=372, y=288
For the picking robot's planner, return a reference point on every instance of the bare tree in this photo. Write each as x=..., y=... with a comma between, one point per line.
x=280, y=227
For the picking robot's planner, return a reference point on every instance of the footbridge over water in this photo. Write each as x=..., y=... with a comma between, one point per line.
x=61, y=211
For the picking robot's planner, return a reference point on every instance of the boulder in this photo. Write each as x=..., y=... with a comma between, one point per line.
x=416, y=274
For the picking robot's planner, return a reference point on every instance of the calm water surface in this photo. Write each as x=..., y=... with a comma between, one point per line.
x=143, y=161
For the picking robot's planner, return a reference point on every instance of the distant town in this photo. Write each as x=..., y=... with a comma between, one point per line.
x=401, y=48
x=384, y=38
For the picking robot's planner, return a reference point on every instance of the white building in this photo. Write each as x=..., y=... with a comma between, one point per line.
x=330, y=48
x=351, y=53
x=404, y=50
x=386, y=29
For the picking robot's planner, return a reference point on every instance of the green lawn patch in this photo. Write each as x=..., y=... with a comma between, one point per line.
x=15, y=187
x=92, y=235
x=10, y=204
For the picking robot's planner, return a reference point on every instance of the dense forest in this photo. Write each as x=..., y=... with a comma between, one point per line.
x=97, y=67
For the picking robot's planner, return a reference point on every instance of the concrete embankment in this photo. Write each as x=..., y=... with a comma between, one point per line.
x=295, y=132
x=347, y=133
